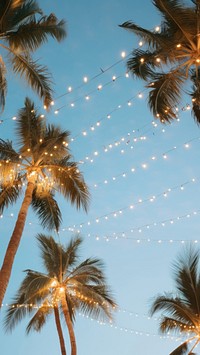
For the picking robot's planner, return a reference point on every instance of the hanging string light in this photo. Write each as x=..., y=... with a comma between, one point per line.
x=141, y=165
x=132, y=206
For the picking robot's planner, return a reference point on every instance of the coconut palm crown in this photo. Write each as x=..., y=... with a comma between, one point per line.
x=40, y=168
x=23, y=29
x=68, y=284
x=181, y=309
x=171, y=59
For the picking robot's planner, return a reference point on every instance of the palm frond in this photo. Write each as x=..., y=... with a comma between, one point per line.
x=9, y=193
x=95, y=301
x=165, y=94
x=30, y=127
x=89, y=271
x=155, y=40
x=30, y=36
x=70, y=255
x=18, y=12
x=141, y=64
x=187, y=279
x=167, y=324
x=47, y=209
x=51, y=253
x=16, y=311
x=175, y=307
x=179, y=18
x=56, y=141
x=37, y=76
x=70, y=182
x=7, y=151
x=25, y=12
x=181, y=349
x=40, y=318
x=195, y=94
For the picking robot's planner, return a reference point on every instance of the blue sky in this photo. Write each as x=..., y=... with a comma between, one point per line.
x=133, y=162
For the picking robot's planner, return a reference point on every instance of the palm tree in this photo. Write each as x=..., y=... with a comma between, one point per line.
x=68, y=286
x=170, y=59
x=41, y=167
x=23, y=29
x=181, y=310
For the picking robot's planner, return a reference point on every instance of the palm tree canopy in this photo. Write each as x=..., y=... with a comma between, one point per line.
x=44, y=159
x=181, y=310
x=23, y=29
x=171, y=58
x=83, y=283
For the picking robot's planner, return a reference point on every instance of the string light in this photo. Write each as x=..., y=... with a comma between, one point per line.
x=139, y=166
x=100, y=322
x=119, y=212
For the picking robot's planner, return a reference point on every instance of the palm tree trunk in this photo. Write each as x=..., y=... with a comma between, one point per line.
x=69, y=324
x=13, y=245
x=60, y=333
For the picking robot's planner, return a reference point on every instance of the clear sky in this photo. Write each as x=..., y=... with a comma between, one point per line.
x=115, y=139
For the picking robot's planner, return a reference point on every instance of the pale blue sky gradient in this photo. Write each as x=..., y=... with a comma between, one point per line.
x=137, y=264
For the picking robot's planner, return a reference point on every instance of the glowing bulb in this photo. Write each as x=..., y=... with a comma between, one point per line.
x=69, y=88
x=85, y=79
x=123, y=54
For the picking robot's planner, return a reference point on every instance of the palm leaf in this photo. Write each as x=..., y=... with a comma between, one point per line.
x=89, y=271
x=56, y=141
x=141, y=64
x=195, y=94
x=167, y=324
x=16, y=312
x=35, y=286
x=95, y=301
x=47, y=209
x=70, y=182
x=187, y=279
x=51, y=254
x=30, y=127
x=175, y=308
x=165, y=94
x=18, y=12
x=25, y=11
x=180, y=350
x=177, y=17
x=36, y=76
x=71, y=253
x=7, y=151
x=40, y=317
x=156, y=40
x=9, y=193
x=30, y=36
